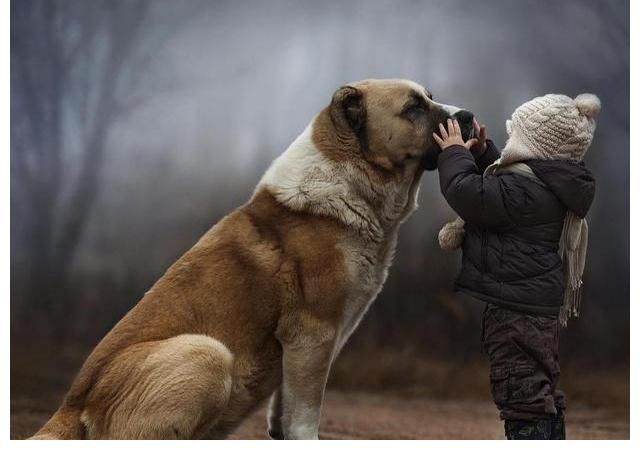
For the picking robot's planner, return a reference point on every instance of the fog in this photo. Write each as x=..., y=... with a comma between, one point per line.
x=136, y=125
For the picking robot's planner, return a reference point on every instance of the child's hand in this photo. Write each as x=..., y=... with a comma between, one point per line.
x=481, y=135
x=453, y=137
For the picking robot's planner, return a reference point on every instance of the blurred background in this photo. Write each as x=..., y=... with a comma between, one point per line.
x=136, y=125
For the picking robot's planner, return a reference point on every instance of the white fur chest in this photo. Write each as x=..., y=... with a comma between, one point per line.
x=303, y=179
x=367, y=267
x=368, y=263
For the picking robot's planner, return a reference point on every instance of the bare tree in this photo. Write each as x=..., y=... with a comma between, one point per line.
x=77, y=68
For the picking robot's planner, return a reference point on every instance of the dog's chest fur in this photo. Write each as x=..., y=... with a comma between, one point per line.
x=304, y=180
x=367, y=266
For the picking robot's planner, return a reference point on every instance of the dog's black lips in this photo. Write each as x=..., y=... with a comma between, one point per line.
x=430, y=159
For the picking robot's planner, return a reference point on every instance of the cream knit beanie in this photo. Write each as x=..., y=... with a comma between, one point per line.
x=552, y=127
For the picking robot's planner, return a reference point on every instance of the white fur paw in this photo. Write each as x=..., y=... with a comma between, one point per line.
x=451, y=236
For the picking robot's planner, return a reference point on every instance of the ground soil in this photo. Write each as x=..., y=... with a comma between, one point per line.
x=383, y=416
x=447, y=410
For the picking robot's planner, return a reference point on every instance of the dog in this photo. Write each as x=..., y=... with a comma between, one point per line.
x=262, y=304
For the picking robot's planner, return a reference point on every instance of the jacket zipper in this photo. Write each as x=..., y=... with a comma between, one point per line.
x=483, y=253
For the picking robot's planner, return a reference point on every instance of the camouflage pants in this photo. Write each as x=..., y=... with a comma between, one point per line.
x=523, y=355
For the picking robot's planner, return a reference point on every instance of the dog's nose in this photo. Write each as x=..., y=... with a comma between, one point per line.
x=464, y=117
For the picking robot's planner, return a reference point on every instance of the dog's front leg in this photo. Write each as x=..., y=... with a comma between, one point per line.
x=274, y=416
x=304, y=378
x=306, y=359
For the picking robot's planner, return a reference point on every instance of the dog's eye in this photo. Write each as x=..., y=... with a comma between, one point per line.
x=416, y=109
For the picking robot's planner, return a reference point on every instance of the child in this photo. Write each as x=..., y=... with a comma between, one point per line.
x=523, y=234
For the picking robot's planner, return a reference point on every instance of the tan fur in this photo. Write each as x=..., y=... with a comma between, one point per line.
x=262, y=304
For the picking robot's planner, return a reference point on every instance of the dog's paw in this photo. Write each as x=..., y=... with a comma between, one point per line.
x=276, y=434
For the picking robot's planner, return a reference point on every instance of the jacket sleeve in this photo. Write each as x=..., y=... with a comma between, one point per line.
x=490, y=155
x=477, y=199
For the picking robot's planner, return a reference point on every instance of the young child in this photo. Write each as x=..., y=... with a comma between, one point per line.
x=523, y=235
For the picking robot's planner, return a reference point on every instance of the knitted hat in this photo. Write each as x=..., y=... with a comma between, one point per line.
x=552, y=127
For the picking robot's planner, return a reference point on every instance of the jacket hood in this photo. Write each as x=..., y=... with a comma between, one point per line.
x=570, y=181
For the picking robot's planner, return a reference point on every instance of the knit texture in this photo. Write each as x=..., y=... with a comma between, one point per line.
x=553, y=126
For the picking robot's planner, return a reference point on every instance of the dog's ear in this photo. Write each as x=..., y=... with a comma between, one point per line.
x=348, y=111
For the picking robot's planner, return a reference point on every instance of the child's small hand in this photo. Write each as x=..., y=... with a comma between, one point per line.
x=481, y=135
x=453, y=136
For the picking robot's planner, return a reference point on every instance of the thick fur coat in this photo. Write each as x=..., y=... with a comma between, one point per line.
x=263, y=303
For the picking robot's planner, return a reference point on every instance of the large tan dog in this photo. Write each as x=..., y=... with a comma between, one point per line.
x=262, y=304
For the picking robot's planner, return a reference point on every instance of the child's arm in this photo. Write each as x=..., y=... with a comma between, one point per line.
x=478, y=200
x=485, y=159
x=484, y=151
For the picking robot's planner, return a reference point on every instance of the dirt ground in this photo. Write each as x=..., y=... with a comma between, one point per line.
x=376, y=416
x=379, y=416
x=37, y=387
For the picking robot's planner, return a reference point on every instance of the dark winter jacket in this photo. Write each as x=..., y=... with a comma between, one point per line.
x=513, y=226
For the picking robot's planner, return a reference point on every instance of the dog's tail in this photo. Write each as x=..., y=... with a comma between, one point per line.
x=64, y=424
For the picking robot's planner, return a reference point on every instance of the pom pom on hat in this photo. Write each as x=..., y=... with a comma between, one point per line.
x=588, y=105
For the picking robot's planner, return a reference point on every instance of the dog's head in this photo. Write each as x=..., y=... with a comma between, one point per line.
x=391, y=122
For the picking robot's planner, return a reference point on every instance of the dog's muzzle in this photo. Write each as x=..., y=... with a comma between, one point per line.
x=465, y=120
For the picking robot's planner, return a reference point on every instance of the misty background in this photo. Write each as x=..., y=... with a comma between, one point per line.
x=136, y=125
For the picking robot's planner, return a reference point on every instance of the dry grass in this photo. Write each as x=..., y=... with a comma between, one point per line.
x=414, y=374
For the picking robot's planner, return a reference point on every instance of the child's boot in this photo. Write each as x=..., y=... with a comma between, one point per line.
x=549, y=429
x=558, y=432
